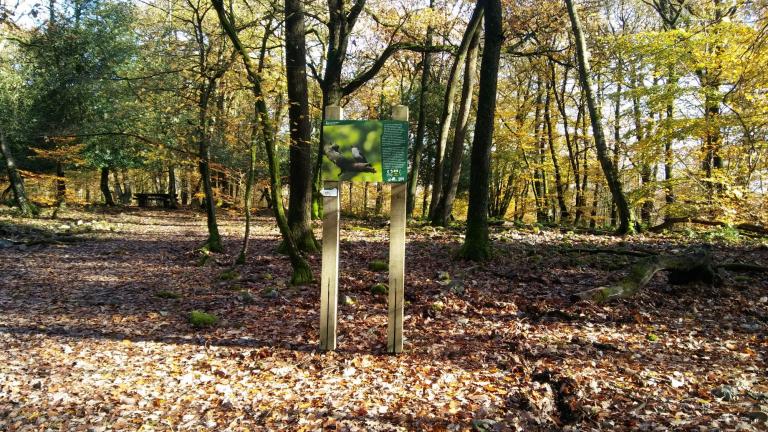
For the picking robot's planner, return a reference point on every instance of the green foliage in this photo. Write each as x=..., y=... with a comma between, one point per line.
x=200, y=319
x=380, y=289
x=168, y=295
x=378, y=265
x=228, y=275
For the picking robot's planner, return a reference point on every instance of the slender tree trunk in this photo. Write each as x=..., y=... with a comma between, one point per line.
x=61, y=185
x=616, y=145
x=302, y=273
x=593, y=212
x=447, y=113
x=669, y=195
x=104, y=185
x=185, y=186
x=248, y=201
x=379, y=198
x=17, y=182
x=646, y=207
x=539, y=185
x=418, y=145
x=445, y=205
x=300, y=202
x=476, y=241
x=172, y=186
x=609, y=169
x=214, y=238
x=564, y=216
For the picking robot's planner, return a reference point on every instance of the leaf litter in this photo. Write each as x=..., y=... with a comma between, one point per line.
x=91, y=344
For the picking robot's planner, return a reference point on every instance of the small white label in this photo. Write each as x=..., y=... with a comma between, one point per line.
x=329, y=192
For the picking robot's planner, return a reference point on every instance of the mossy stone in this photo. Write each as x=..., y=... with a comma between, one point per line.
x=378, y=265
x=228, y=275
x=201, y=319
x=168, y=295
x=380, y=288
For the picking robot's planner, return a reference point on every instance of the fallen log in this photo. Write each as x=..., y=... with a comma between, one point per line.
x=684, y=268
x=670, y=222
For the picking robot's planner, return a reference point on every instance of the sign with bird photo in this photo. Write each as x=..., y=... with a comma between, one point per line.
x=365, y=151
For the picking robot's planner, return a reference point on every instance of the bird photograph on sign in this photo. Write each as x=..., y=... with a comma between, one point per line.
x=352, y=151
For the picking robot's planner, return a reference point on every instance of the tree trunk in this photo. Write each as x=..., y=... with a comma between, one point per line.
x=61, y=185
x=564, y=216
x=476, y=242
x=646, y=207
x=214, y=238
x=611, y=176
x=418, y=144
x=172, y=186
x=17, y=182
x=445, y=205
x=447, y=113
x=185, y=185
x=248, y=202
x=104, y=184
x=379, y=198
x=539, y=185
x=302, y=273
x=685, y=268
x=300, y=201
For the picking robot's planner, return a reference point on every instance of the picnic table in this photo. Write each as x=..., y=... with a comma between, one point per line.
x=145, y=198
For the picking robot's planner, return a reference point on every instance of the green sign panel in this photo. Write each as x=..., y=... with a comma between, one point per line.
x=365, y=151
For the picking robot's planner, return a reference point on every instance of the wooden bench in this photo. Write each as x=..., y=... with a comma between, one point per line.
x=145, y=198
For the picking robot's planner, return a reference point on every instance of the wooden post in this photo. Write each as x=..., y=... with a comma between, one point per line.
x=397, y=255
x=329, y=279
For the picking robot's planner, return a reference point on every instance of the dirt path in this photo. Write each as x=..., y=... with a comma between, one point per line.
x=88, y=344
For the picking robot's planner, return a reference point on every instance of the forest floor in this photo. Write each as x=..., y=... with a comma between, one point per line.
x=88, y=345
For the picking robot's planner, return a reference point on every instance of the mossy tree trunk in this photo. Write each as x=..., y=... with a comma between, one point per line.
x=609, y=169
x=477, y=242
x=418, y=144
x=300, y=203
x=302, y=273
x=696, y=266
x=447, y=112
x=17, y=182
x=442, y=212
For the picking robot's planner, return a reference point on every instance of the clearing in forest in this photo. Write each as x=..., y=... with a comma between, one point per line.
x=94, y=324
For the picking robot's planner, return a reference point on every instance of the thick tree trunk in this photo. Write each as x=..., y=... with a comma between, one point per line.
x=447, y=113
x=445, y=204
x=104, y=185
x=418, y=144
x=609, y=169
x=300, y=201
x=476, y=242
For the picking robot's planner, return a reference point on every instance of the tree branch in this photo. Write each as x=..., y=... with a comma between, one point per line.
x=366, y=76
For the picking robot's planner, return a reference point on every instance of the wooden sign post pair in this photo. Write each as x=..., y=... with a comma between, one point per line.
x=329, y=280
